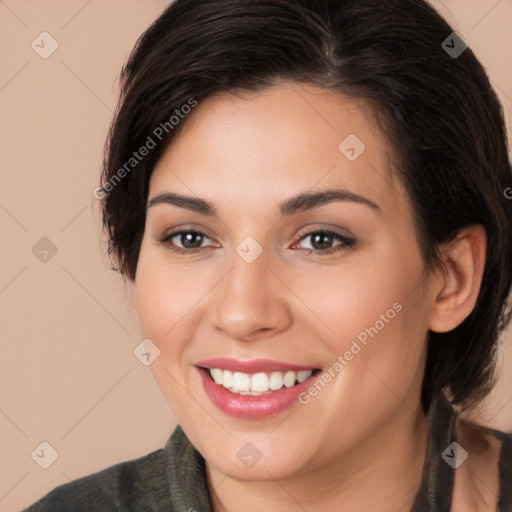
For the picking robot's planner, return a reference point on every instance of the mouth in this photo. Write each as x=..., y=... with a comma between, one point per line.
x=254, y=389
x=257, y=384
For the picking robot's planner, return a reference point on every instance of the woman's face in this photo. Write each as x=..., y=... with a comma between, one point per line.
x=333, y=283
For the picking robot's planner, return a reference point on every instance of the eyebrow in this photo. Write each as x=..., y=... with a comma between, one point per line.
x=296, y=204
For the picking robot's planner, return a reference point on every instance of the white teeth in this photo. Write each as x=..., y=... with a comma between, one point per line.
x=216, y=374
x=276, y=381
x=303, y=375
x=257, y=383
x=289, y=379
x=241, y=381
x=227, y=379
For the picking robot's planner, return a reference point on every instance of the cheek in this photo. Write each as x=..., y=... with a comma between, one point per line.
x=376, y=351
x=374, y=316
x=162, y=298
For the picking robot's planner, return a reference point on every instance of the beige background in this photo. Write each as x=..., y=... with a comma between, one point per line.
x=68, y=373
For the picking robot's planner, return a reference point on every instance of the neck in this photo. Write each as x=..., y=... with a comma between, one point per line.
x=384, y=473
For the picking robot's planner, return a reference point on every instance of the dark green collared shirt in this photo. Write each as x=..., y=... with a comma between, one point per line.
x=173, y=479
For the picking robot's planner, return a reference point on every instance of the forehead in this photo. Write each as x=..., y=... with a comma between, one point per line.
x=258, y=147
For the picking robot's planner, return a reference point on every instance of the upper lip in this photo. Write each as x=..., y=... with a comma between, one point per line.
x=253, y=366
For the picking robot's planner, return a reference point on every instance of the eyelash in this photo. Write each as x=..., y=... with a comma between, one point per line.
x=346, y=243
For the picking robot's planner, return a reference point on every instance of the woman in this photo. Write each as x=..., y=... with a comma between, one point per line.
x=309, y=199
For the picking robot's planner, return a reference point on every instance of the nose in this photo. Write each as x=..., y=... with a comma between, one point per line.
x=251, y=300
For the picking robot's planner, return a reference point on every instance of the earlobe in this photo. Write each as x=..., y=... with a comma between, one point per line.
x=460, y=278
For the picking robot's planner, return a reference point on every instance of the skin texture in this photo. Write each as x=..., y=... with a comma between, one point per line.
x=360, y=443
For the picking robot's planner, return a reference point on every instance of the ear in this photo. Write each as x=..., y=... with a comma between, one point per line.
x=459, y=279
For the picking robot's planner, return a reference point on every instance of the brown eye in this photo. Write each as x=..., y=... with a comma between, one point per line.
x=190, y=239
x=322, y=242
x=185, y=241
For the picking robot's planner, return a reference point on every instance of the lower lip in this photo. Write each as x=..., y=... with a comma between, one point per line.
x=251, y=406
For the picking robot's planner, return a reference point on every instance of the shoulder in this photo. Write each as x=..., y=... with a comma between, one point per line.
x=140, y=482
x=484, y=474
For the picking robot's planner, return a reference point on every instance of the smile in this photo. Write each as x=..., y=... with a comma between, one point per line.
x=257, y=383
x=253, y=389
